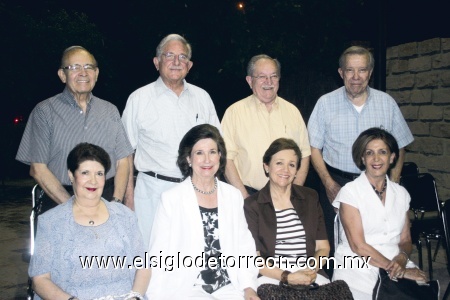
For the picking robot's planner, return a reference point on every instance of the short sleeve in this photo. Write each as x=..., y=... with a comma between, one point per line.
x=228, y=133
x=129, y=117
x=304, y=145
x=122, y=147
x=35, y=144
x=400, y=129
x=345, y=196
x=316, y=130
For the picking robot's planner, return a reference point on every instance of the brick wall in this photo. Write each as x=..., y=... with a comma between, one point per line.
x=418, y=77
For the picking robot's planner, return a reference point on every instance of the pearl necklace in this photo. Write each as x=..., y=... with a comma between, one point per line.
x=380, y=193
x=203, y=192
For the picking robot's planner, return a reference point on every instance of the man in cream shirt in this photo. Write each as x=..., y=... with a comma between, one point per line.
x=250, y=125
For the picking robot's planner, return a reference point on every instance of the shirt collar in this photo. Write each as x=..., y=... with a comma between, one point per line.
x=264, y=194
x=162, y=88
x=261, y=105
x=70, y=99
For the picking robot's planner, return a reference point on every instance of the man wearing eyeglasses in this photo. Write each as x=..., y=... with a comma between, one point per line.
x=58, y=124
x=337, y=120
x=156, y=117
x=252, y=124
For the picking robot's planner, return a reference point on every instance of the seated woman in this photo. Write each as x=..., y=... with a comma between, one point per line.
x=85, y=227
x=201, y=219
x=373, y=214
x=286, y=220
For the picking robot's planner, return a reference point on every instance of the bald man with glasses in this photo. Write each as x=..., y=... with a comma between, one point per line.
x=58, y=124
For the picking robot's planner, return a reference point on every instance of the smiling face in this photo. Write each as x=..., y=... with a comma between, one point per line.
x=205, y=159
x=282, y=168
x=79, y=82
x=356, y=75
x=264, y=86
x=88, y=180
x=377, y=159
x=173, y=71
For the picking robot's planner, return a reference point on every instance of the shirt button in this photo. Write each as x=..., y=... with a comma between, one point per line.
x=81, y=111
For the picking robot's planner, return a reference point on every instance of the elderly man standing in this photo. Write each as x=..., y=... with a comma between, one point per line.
x=252, y=124
x=156, y=117
x=337, y=120
x=58, y=124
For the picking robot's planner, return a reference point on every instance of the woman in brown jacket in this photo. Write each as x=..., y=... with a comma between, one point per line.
x=286, y=221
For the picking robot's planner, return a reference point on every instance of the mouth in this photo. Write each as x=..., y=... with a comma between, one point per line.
x=284, y=176
x=377, y=167
x=91, y=189
x=267, y=87
x=207, y=168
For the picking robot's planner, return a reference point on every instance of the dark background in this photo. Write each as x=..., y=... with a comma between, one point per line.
x=307, y=36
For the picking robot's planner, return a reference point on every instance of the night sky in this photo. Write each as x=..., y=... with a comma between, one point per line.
x=132, y=29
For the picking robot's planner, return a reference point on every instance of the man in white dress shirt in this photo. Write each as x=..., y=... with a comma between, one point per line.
x=156, y=117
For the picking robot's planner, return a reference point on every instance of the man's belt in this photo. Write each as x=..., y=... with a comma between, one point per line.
x=348, y=175
x=166, y=178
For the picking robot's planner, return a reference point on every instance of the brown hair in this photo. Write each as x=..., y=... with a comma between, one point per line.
x=374, y=133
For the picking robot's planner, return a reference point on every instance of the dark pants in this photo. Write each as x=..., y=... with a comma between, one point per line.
x=48, y=203
x=328, y=212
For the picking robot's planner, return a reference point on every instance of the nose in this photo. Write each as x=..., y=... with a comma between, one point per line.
x=93, y=179
x=207, y=157
x=82, y=72
x=176, y=60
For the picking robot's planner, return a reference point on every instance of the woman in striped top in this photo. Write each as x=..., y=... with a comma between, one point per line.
x=286, y=221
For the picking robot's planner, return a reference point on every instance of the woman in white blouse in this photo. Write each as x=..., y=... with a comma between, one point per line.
x=373, y=213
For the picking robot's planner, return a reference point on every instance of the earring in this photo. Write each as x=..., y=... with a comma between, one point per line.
x=190, y=165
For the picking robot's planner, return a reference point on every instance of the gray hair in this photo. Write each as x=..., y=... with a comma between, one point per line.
x=356, y=50
x=72, y=49
x=173, y=37
x=254, y=59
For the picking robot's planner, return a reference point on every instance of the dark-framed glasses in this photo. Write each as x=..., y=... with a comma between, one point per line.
x=171, y=57
x=263, y=78
x=78, y=68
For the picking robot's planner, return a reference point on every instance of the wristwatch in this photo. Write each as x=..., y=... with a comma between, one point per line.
x=115, y=199
x=284, y=277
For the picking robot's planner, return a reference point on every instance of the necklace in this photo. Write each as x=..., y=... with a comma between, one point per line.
x=203, y=192
x=91, y=221
x=380, y=193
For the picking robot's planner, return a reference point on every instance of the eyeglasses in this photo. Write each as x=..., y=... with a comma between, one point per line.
x=171, y=57
x=352, y=72
x=77, y=67
x=263, y=78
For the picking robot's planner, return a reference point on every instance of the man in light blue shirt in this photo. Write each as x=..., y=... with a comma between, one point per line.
x=337, y=120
